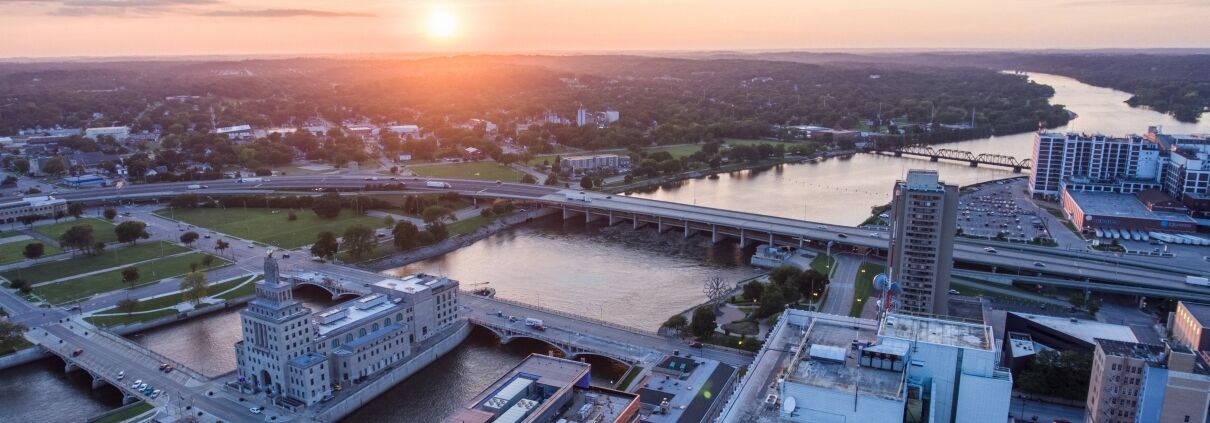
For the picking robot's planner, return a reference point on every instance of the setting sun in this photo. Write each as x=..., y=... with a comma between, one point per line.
x=442, y=24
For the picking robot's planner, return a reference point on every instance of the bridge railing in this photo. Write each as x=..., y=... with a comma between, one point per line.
x=125, y=343
x=570, y=315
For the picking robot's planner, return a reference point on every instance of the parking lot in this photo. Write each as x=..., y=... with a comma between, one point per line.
x=992, y=210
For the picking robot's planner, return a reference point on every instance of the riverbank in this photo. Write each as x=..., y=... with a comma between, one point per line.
x=701, y=173
x=423, y=253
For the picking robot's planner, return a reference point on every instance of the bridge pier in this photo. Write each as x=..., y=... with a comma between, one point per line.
x=933, y=158
x=1016, y=169
x=635, y=224
x=714, y=234
x=589, y=218
x=70, y=366
x=568, y=214
x=687, y=231
x=613, y=220
x=128, y=399
x=974, y=164
x=97, y=381
x=660, y=225
x=743, y=239
x=800, y=242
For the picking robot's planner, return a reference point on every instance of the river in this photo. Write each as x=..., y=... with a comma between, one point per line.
x=633, y=280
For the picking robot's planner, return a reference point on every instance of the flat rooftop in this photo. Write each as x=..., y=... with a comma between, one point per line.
x=845, y=374
x=412, y=284
x=1121, y=205
x=1146, y=352
x=689, y=399
x=1201, y=312
x=1084, y=330
x=937, y=331
x=597, y=405
x=355, y=314
x=550, y=377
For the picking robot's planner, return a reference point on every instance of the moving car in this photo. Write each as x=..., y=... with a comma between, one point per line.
x=989, y=249
x=256, y=410
x=1039, y=264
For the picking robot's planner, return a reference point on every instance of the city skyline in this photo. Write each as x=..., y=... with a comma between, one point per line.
x=255, y=27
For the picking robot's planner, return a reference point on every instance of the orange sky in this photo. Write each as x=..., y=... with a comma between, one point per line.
x=42, y=28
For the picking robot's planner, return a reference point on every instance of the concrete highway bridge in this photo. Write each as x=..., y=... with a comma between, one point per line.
x=720, y=224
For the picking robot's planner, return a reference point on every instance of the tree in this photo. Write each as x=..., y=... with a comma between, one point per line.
x=54, y=166
x=528, y=179
x=704, y=322
x=128, y=305
x=189, y=237
x=11, y=334
x=207, y=260
x=130, y=276
x=290, y=216
x=79, y=237
x=327, y=206
x=753, y=290
x=75, y=209
x=325, y=245
x=783, y=274
x=221, y=245
x=193, y=287
x=131, y=231
x=359, y=240
x=716, y=290
x=586, y=182
x=437, y=232
x=552, y=179
x=21, y=166
x=677, y=322
x=388, y=221
x=110, y=213
x=437, y=214
x=34, y=250
x=405, y=234
x=98, y=248
x=21, y=285
x=771, y=302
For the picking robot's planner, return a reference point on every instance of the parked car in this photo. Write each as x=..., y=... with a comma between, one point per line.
x=256, y=410
x=121, y=374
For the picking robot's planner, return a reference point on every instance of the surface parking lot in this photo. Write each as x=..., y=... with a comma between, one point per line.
x=992, y=210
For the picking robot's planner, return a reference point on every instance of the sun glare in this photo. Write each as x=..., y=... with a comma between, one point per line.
x=442, y=24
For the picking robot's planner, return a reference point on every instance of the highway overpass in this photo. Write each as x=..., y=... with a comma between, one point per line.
x=718, y=223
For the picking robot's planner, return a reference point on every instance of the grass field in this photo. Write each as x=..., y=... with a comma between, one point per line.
x=461, y=227
x=107, y=321
x=11, y=252
x=101, y=229
x=113, y=257
x=823, y=264
x=264, y=226
x=863, y=288
x=125, y=414
x=490, y=171
x=167, y=267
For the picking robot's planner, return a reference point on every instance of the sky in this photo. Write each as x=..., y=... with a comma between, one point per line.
x=69, y=28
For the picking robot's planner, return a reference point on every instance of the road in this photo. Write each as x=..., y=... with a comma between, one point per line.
x=842, y=286
x=1025, y=410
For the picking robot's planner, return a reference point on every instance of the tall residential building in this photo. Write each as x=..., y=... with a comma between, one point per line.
x=1176, y=390
x=1092, y=163
x=1191, y=326
x=1117, y=377
x=297, y=357
x=923, y=223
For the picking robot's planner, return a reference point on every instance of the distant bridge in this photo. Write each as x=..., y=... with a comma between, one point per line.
x=956, y=155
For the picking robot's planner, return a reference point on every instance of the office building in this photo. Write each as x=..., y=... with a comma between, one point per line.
x=1189, y=326
x=608, y=163
x=42, y=207
x=1117, y=376
x=1176, y=390
x=548, y=389
x=119, y=133
x=903, y=368
x=923, y=218
x=236, y=133
x=297, y=357
x=598, y=119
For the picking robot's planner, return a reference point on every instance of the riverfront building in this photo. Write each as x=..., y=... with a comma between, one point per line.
x=45, y=207
x=579, y=165
x=903, y=368
x=299, y=357
x=923, y=218
x=548, y=389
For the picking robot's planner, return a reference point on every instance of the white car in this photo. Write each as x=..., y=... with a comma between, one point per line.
x=121, y=375
x=256, y=410
x=136, y=384
x=989, y=249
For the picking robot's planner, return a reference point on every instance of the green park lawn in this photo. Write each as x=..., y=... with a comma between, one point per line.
x=101, y=229
x=11, y=252
x=122, y=319
x=863, y=287
x=267, y=227
x=82, y=287
x=125, y=414
x=486, y=170
x=112, y=257
x=823, y=264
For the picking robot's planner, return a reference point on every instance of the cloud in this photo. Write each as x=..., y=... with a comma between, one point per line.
x=286, y=13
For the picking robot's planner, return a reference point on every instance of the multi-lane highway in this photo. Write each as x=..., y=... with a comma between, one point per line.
x=1007, y=257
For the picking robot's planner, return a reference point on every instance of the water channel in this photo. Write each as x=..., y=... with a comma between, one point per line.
x=632, y=279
